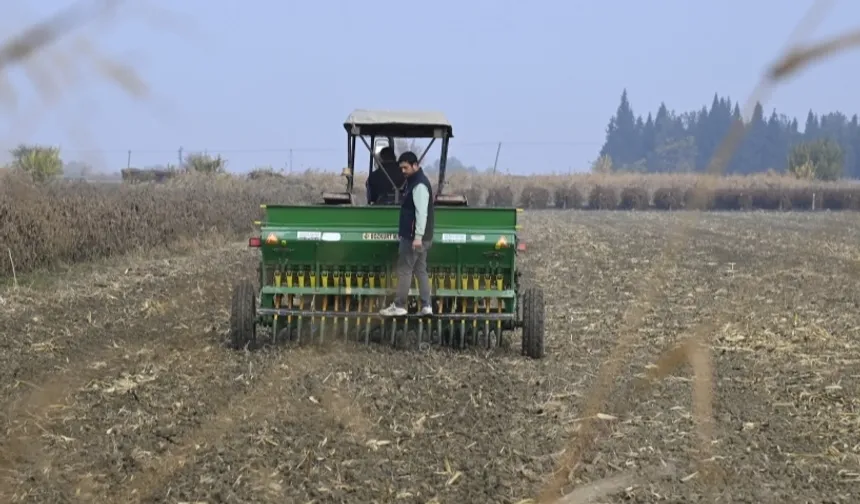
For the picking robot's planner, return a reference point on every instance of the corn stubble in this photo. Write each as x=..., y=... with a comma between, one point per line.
x=61, y=222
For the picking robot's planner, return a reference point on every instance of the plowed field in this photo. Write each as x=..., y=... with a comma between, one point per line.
x=117, y=386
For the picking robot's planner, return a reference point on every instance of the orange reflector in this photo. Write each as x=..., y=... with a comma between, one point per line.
x=272, y=239
x=501, y=243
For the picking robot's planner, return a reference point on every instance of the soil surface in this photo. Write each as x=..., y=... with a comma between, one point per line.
x=117, y=386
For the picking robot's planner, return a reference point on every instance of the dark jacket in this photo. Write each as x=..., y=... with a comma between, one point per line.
x=406, y=229
x=380, y=190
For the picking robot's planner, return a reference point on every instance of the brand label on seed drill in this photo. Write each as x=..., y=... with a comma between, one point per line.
x=379, y=236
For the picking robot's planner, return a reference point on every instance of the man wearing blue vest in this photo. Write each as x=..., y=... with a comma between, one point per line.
x=416, y=236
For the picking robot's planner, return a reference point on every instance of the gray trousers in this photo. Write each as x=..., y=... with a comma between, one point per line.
x=412, y=262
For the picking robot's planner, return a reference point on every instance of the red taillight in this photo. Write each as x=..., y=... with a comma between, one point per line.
x=254, y=241
x=521, y=247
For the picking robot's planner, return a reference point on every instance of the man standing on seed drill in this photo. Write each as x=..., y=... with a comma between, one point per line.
x=416, y=236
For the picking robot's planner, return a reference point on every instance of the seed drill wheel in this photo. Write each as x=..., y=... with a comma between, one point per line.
x=533, y=323
x=243, y=315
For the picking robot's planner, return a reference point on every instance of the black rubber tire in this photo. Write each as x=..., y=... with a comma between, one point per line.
x=243, y=316
x=533, y=323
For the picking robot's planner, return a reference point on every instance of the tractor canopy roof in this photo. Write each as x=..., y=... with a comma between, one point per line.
x=398, y=124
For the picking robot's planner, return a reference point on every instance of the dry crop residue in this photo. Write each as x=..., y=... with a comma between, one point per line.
x=89, y=221
x=119, y=389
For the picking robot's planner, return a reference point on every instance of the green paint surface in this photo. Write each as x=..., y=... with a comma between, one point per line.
x=317, y=241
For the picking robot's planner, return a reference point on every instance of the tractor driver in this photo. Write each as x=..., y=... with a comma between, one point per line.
x=379, y=190
x=416, y=236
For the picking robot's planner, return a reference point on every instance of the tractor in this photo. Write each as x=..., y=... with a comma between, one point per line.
x=326, y=270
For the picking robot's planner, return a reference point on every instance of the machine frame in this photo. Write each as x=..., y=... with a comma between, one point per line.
x=313, y=256
x=370, y=125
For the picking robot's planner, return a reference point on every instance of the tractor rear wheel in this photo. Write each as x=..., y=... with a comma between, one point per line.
x=533, y=323
x=243, y=316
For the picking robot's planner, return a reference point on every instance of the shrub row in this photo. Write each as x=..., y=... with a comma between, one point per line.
x=606, y=197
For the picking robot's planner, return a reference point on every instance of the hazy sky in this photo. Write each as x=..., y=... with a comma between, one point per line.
x=253, y=79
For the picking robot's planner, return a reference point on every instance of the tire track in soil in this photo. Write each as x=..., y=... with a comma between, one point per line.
x=128, y=312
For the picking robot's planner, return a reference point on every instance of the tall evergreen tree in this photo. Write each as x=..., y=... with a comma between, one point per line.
x=621, y=134
x=687, y=141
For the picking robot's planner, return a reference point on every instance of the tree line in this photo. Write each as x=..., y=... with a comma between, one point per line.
x=828, y=146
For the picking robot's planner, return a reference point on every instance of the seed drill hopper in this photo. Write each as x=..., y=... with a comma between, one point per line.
x=326, y=270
